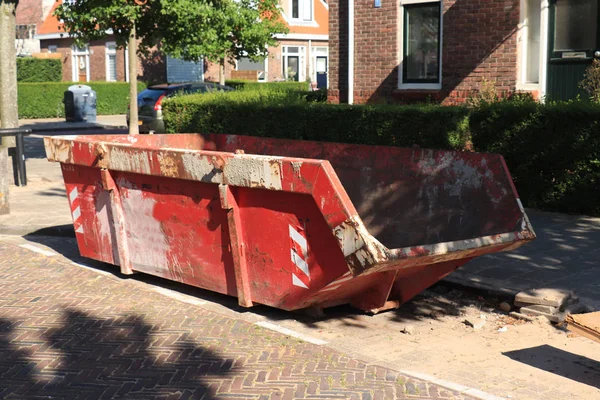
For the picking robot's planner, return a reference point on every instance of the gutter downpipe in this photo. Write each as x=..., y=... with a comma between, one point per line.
x=350, y=51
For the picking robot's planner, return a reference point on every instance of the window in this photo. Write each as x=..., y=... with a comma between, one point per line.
x=52, y=49
x=293, y=63
x=111, y=61
x=245, y=64
x=421, y=44
x=532, y=42
x=302, y=10
x=25, y=31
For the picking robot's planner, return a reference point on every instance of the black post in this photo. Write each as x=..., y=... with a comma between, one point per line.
x=21, y=158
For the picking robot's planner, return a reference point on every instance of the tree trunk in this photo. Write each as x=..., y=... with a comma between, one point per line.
x=134, y=128
x=9, y=115
x=222, y=71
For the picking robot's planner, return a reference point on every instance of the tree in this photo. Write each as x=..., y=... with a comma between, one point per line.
x=221, y=30
x=128, y=20
x=9, y=115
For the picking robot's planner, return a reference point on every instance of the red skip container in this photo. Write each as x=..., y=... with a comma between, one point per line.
x=290, y=224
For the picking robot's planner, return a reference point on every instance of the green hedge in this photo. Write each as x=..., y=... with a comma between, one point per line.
x=45, y=100
x=39, y=70
x=552, y=151
x=266, y=86
x=289, y=115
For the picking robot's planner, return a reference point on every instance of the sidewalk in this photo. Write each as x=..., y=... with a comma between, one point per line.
x=57, y=124
x=71, y=332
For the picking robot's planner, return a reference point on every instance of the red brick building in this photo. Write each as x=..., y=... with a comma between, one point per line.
x=412, y=50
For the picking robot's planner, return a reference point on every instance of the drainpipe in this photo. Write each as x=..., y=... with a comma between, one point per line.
x=310, y=70
x=350, y=51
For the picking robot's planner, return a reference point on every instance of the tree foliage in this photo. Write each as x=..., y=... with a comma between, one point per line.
x=222, y=29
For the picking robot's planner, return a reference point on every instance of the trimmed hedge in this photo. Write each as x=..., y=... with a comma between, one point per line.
x=39, y=70
x=552, y=151
x=45, y=100
x=266, y=86
x=288, y=115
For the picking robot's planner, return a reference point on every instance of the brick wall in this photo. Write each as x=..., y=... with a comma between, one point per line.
x=479, y=42
x=150, y=69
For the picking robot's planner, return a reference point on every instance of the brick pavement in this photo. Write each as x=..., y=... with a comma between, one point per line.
x=67, y=332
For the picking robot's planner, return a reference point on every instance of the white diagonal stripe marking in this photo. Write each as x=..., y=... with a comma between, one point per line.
x=301, y=240
x=76, y=213
x=300, y=263
x=297, y=282
x=73, y=195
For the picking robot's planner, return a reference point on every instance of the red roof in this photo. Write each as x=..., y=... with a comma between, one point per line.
x=51, y=24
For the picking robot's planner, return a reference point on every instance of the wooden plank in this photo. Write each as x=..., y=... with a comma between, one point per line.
x=587, y=325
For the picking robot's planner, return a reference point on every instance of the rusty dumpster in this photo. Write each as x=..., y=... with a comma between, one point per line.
x=289, y=224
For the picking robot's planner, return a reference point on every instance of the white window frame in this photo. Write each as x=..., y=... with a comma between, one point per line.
x=522, y=83
x=109, y=53
x=423, y=86
x=75, y=51
x=301, y=54
x=302, y=19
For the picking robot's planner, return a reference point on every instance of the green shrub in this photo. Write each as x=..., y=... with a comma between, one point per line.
x=39, y=70
x=45, y=100
x=552, y=151
x=288, y=115
x=267, y=86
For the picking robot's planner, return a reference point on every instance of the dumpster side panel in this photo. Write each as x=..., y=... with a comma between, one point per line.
x=177, y=230
x=91, y=212
x=409, y=196
x=290, y=255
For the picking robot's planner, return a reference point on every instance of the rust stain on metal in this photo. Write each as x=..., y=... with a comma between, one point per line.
x=168, y=165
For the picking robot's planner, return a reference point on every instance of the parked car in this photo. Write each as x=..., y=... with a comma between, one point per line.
x=150, y=117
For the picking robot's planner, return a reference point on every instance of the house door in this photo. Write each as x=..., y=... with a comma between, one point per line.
x=322, y=72
x=81, y=68
x=573, y=43
x=293, y=68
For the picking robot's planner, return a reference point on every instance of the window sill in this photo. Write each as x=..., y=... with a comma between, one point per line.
x=420, y=86
x=300, y=22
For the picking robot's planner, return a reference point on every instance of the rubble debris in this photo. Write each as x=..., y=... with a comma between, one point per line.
x=556, y=317
x=476, y=323
x=408, y=329
x=517, y=315
x=504, y=306
x=545, y=297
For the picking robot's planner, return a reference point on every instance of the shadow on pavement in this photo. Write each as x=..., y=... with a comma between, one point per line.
x=435, y=303
x=560, y=362
x=88, y=357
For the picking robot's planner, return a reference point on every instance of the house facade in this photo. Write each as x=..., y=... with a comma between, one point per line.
x=302, y=53
x=446, y=50
x=29, y=17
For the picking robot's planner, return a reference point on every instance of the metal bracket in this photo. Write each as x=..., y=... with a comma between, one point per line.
x=238, y=251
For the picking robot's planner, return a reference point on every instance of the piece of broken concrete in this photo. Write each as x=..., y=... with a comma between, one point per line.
x=476, y=323
x=408, y=329
x=524, y=317
x=542, y=308
x=553, y=317
x=504, y=306
x=545, y=297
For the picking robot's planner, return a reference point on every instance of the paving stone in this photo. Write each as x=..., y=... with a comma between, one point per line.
x=556, y=318
x=548, y=297
x=98, y=336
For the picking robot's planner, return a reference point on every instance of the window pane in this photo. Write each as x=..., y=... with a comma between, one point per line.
x=421, y=51
x=295, y=9
x=112, y=68
x=532, y=74
x=293, y=49
x=245, y=64
x=575, y=25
